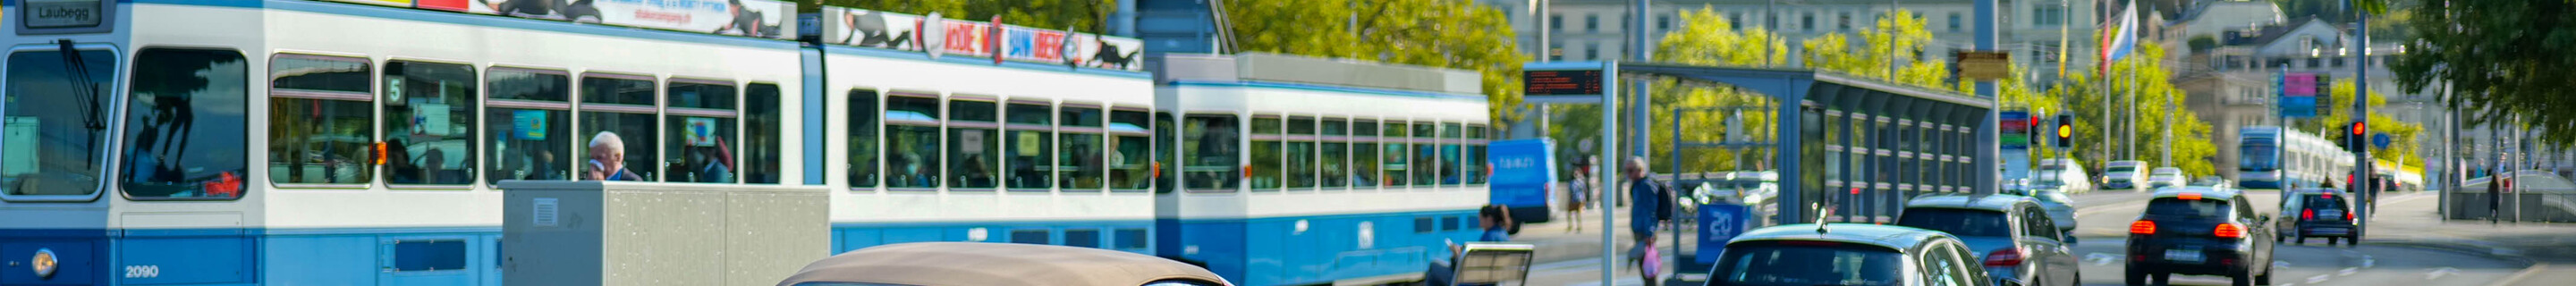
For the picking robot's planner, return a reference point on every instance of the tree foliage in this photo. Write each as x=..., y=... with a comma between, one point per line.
x=1456, y=34
x=2154, y=100
x=2504, y=57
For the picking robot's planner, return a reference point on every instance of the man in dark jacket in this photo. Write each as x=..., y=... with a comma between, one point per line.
x=608, y=159
x=1652, y=205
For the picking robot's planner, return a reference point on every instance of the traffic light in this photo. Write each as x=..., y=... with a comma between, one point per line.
x=2065, y=131
x=2356, y=137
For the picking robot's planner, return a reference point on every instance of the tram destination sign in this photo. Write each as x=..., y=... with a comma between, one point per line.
x=47, y=14
x=1562, y=82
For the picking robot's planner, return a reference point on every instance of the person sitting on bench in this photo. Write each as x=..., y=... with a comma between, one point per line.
x=1496, y=224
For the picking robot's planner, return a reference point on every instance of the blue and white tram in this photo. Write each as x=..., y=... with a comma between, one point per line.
x=2271, y=157
x=951, y=148
x=242, y=142
x=1308, y=174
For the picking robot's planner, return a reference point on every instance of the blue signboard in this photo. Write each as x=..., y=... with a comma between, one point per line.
x=1717, y=224
x=2299, y=106
x=2380, y=140
x=1523, y=170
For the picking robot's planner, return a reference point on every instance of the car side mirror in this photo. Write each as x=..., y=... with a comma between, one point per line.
x=2070, y=237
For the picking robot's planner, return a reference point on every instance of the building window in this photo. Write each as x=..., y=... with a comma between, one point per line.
x=1663, y=22
x=428, y=107
x=184, y=124
x=1807, y=22
x=1954, y=22
x=529, y=136
x=321, y=120
x=1592, y=51
x=2337, y=61
x=1555, y=22
x=1592, y=23
x=2048, y=15
x=2312, y=63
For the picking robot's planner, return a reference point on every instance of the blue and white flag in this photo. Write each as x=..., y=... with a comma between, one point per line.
x=2120, y=36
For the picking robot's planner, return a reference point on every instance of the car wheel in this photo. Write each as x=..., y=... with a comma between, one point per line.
x=2266, y=277
x=2352, y=241
x=2242, y=278
x=2163, y=279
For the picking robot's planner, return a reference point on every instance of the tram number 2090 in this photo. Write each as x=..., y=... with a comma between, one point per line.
x=142, y=271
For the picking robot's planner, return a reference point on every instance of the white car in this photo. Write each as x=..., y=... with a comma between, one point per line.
x=2066, y=174
x=2123, y=175
x=2166, y=177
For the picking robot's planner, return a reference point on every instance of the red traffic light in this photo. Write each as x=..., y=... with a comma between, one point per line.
x=2358, y=129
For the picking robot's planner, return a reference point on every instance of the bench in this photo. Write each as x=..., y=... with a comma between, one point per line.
x=1493, y=263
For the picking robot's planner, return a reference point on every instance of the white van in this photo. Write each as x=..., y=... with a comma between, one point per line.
x=2124, y=175
x=2065, y=174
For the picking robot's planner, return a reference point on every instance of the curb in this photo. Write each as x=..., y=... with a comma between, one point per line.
x=2519, y=275
x=2493, y=252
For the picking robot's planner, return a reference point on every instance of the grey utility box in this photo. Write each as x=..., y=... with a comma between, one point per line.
x=626, y=233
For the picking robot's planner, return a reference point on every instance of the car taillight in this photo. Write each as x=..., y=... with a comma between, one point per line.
x=2347, y=215
x=2004, y=257
x=2142, y=227
x=2230, y=230
x=2308, y=215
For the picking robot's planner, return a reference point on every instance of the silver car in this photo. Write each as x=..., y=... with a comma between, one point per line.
x=2018, y=242
x=2061, y=209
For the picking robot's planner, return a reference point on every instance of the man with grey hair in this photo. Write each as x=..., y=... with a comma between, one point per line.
x=1654, y=206
x=608, y=159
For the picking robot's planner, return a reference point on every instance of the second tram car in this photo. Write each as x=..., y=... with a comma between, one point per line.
x=2272, y=157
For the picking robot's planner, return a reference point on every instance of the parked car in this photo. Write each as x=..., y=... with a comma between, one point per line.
x=976, y=263
x=2166, y=177
x=2200, y=231
x=1845, y=254
x=2123, y=175
x=2323, y=213
x=2061, y=209
x=2064, y=173
x=2020, y=243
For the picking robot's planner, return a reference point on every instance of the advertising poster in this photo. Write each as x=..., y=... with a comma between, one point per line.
x=702, y=132
x=874, y=29
x=529, y=125
x=978, y=38
x=753, y=18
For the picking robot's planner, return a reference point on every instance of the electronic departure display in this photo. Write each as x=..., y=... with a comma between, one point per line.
x=1581, y=82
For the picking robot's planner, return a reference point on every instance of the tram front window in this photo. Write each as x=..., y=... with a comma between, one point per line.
x=184, y=122
x=2259, y=158
x=54, y=122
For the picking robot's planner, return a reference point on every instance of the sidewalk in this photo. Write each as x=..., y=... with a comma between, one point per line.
x=1555, y=244
x=2411, y=220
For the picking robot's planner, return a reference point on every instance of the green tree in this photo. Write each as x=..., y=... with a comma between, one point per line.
x=1456, y=34
x=1707, y=38
x=2336, y=110
x=2155, y=99
x=1899, y=37
x=2504, y=57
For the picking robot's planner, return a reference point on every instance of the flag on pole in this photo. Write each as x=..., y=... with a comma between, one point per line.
x=2120, y=36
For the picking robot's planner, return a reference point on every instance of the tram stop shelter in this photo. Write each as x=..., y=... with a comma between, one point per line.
x=1860, y=146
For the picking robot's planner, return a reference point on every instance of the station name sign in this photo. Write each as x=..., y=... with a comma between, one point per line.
x=49, y=14
x=1562, y=82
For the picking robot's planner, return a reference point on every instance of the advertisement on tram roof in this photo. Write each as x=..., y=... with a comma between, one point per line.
x=752, y=18
x=972, y=37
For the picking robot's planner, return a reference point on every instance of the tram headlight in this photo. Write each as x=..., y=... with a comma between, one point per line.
x=44, y=263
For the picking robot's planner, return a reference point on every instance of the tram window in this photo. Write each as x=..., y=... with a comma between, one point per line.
x=1166, y=144
x=1394, y=138
x=701, y=121
x=428, y=255
x=1266, y=156
x=428, y=110
x=1336, y=152
x=184, y=125
x=321, y=125
x=863, y=137
x=1078, y=167
x=1209, y=144
x=1130, y=238
x=1028, y=148
x=606, y=107
x=1452, y=172
x=1364, y=154
x=971, y=144
x=1474, y=165
x=527, y=125
x=912, y=142
x=1082, y=238
x=1030, y=236
x=762, y=144
x=1301, y=152
x=55, y=117
x=1426, y=149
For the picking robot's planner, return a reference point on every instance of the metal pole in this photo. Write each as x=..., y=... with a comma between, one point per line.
x=2361, y=113
x=1609, y=184
x=1989, y=147
x=1546, y=49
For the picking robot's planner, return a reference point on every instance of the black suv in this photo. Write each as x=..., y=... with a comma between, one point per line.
x=2200, y=231
x=2320, y=213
